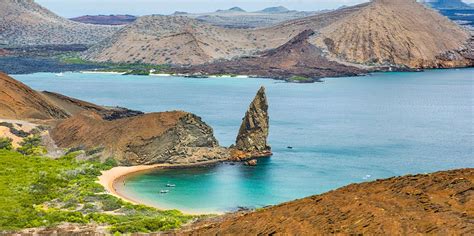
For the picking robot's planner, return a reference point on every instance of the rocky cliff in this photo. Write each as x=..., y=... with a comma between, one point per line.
x=253, y=132
x=441, y=203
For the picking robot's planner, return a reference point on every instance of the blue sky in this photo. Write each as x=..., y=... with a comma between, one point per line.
x=72, y=8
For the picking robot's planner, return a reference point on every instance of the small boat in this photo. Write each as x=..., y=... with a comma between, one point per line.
x=171, y=185
x=60, y=74
x=289, y=147
x=164, y=191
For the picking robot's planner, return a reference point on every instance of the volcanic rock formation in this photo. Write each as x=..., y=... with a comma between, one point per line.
x=253, y=133
x=441, y=203
x=165, y=137
x=132, y=137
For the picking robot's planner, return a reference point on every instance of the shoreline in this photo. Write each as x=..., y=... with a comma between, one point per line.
x=110, y=178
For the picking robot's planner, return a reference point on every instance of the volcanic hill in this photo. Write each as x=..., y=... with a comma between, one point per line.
x=24, y=22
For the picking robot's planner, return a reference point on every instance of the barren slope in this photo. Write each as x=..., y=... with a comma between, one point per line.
x=18, y=101
x=441, y=203
x=400, y=32
x=23, y=22
x=173, y=40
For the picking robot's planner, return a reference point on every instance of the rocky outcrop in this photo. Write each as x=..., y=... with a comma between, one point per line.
x=253, y=133
x=166, y=137
x=132, y=137
x=441, y=203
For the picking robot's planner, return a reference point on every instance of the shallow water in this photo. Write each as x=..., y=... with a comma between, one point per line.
x=342, y=131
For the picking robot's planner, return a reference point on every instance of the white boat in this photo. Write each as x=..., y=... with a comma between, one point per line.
x=164, y=191
x=171, y=185
x=60, y=74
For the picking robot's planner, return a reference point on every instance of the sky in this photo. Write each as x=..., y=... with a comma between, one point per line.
x=71, y=8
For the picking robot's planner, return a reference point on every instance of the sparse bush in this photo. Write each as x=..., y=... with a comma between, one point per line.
x=6, y=143
x=32, y=146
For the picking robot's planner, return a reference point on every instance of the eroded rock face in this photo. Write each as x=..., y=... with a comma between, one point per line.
x=253, y=133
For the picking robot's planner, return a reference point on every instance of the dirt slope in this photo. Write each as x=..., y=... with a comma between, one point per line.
x=400, y=32
x=18, y=101
x=24, y=22
x=441, y=203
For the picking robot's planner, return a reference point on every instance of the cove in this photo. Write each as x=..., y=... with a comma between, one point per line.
x=344, y=130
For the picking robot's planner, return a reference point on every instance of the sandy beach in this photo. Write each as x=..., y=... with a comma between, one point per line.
x=110, y=178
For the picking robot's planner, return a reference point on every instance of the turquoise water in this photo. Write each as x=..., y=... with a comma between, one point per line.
x=343, y=131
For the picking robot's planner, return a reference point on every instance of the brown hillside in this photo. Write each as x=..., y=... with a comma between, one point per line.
x=24, y=22
x=173, y=40
x=18, y=101
x=441, y=203
x=401, y=32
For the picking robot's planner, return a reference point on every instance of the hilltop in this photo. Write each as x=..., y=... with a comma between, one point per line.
x=24, y=22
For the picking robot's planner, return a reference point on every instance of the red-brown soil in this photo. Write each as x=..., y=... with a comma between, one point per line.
x=18, y=101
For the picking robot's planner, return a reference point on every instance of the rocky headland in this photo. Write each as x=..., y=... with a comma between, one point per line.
x=132, y=137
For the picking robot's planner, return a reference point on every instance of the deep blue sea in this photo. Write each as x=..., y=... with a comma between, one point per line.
x=344, y=130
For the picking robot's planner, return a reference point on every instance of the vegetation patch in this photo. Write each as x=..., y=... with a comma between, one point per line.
x=300, y=79
x=126, y=68
x=38, y=191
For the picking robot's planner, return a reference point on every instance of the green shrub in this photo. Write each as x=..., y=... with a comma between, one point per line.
x=31, y=146
x=37, y=191
x=6, y=143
